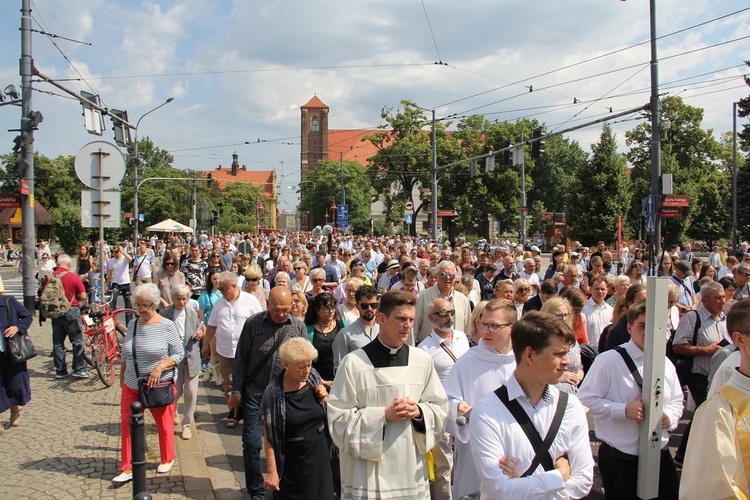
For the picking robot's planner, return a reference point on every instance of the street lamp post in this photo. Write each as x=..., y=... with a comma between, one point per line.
x=135, y=169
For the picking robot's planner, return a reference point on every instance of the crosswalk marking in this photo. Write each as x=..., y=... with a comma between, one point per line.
x=14, y=287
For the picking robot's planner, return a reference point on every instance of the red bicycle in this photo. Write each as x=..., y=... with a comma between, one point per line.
x=103, y=336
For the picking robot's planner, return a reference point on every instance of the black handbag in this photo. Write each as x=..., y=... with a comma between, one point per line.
x=19, y=347
x=162, y=394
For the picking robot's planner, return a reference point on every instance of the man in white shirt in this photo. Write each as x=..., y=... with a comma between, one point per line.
x=445, y=345
x=726, y=269
x=529, y=274
x=503, y=453
x=226, y=321
x=598, y=313
x=444, y=289
x=118, y=275
x=613, y=395
x=686, y=296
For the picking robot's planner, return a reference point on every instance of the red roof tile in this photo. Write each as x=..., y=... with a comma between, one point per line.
x=314, y=103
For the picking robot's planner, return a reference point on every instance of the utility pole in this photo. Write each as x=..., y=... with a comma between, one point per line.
x=523, y=193
x=343, y=190
x=28, y=221
x=655, y=137
x=434, y=182
x=195, y=203
x=735, y=236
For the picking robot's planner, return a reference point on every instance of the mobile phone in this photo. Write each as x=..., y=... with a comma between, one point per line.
x=724, y=343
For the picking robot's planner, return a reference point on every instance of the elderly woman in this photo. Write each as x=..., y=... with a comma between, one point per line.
x=158, y=348
x=322, y=327
x=15, y=387
x=301, y=279
x=191, y=330
x=348, y=310
x=317, y=278
x=573, y=374
x=622, y=283
x=253, y=276
x=475, y=333
x=504, y=289
x=293, y=412
x=168, y=276
x=282, y=279
x=299, y=305
x=521, y=293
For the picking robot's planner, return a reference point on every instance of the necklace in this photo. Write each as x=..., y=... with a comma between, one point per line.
x=326, y=329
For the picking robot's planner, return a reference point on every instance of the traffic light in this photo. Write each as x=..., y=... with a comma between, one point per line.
x=122, y=133
x=21, y=141
x=537, y=148
x=214, y=218
x=506, y=153
x=208, y=179
x=219, y=206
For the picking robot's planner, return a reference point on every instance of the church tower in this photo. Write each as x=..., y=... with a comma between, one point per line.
x=314, y=143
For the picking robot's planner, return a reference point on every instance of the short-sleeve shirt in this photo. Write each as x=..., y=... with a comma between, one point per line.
x=120, y=270
x=710, y=331
x=229, y=320
x=72, y=285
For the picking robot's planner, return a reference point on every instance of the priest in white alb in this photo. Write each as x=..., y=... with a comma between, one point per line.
x=478, y=372
x=386, y=409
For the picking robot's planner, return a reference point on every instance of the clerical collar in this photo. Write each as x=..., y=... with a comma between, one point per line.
x=392, y=351
x=382, y=356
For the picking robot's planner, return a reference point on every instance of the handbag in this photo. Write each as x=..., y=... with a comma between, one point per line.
x=162, y=394
x=19, y=347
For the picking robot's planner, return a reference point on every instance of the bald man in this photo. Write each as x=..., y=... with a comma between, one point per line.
x=256, y=362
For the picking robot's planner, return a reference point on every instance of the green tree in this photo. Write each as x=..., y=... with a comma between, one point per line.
x=687, y=151
x=711, y=219
x=553, y=173
x=322, y=186
x=404, y=157
x=538, y=223
x=743, y=168
x=600, y=192
x=66, y=220
x=55, y=183
x=240, y=201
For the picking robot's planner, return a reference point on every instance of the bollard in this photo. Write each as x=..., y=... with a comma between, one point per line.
x=138, y=450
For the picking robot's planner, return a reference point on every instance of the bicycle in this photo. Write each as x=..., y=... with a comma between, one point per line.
x=103, y=337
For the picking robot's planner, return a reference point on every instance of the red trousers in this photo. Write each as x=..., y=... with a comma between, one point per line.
x=164, y=417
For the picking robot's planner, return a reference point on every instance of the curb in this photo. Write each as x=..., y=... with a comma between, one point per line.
x=195, y=472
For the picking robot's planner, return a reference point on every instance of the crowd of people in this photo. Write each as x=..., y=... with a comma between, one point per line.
x=397, y=368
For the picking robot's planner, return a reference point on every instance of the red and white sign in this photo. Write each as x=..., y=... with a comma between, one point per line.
x=521, y=209
x=675, y=200
x=127, y=215
x=10, y=200
x=670, y=212
x=409, y=205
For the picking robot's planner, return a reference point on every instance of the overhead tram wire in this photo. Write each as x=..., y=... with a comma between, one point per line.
x=520, y=82
x=432, y=33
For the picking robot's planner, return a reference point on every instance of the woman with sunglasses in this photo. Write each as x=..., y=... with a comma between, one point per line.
x=216, y=263
x=322, y=327
x=253, y=277
x=301, y=280
x=317, y=278
x=168, y=276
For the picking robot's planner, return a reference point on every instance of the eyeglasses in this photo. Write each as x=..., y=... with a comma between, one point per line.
x=447, y=276
x=328, y=308
x=493, y=327
x=142, y=306
x=368, y=305
x=318, y=280
x=225, y=289
x=562, y=316
x=297, y=268
x=444, y=314
x=252, y=280
x=746, y=275
x=46, y=257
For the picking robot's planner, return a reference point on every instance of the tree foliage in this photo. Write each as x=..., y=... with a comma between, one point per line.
x=600, y=192
x=321, y=187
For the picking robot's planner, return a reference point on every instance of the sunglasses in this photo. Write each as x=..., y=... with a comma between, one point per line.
x=444, y=314
x=252, y=280
x=298, y=269
x=368, y=305
x=169, y=264
x=447, y=276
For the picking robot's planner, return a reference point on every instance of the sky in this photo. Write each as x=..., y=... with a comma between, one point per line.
x=240, y=70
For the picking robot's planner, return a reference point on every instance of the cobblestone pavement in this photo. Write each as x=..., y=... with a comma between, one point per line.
x=68, y=442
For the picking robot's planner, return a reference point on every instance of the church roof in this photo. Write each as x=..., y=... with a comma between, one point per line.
x=315, y=103
x=264, y=178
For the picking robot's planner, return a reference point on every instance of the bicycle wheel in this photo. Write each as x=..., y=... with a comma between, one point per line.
x=88, y=351
x=105, y=363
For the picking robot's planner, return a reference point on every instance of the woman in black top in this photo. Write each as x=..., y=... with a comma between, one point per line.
x=84, y=267
x=322, y=327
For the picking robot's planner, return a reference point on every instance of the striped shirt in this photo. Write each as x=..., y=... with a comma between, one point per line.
x=257, y=337
x=154, y=344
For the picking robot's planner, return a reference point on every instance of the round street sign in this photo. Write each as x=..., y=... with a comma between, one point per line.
x=409, y=205
x=113, y=165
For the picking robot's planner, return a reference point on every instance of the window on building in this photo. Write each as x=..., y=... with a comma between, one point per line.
x=315, y=124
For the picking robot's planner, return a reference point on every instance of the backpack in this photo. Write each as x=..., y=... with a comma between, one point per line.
x=53, y=302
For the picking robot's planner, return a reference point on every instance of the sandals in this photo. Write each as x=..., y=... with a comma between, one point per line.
x=231, y=423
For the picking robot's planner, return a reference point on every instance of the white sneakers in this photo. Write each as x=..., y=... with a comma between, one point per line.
x=164, y=468
x=186, y=433
x=124, y=477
